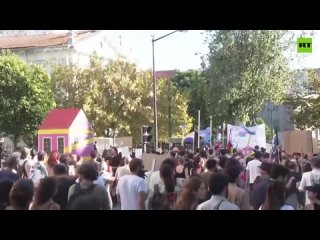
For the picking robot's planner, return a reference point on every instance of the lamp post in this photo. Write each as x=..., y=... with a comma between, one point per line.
x=210, y=131
x=155, y=111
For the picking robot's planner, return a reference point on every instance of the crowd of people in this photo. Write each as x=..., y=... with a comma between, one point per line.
x=213, y=179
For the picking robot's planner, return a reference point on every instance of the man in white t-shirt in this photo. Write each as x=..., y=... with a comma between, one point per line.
x=131, y=189
x=253, y=170
x=311, y=178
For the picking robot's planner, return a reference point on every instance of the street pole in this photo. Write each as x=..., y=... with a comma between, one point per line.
x=155, y=112
x=198, y=128
x=222, y=136
x=210, y=131
x=169, y=111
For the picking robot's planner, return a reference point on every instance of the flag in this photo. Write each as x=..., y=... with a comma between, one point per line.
x=276, y=144
x=248, y=131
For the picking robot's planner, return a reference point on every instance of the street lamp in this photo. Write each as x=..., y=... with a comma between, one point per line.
x=155, y=111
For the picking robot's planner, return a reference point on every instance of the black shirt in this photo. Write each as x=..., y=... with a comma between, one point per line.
x=63, y=185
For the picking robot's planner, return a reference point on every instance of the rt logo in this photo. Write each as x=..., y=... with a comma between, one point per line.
x=304, y=45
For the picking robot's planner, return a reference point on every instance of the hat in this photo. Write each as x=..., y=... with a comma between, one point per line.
x=315, y=188
x=265, y=166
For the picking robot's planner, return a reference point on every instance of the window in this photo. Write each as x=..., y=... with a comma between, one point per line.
x=61, y=145
x=47, y=145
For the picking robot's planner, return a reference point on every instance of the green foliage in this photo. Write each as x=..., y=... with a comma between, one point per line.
x=304, y=100
x=260, y=121
x=25, y=96
x=116, y=95
x=193, y=85
x=244, y=68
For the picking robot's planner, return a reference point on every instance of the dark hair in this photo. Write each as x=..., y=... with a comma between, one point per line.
x=211, y=151
x=60, y=169
x=21, y=194
x=275, y=197
x=88, y=171
x=5, y=187
x=23, y=154
x=231, y=162
x=93, y=154
x=222, y=161
x=173, y=154
x=166, y=173
x=223, y=152
x=187, y=198
x=40, y=156
x=12, y=162
x=53, y=158
x=258, y=155
x=211, y=164
x=256, y=147
x=135, y=164
x=217, y=183
x=196, y=162
x=203, y=153
x=315, y=162
x=278, y=171
x=170, y=162
x=45, y=191
x=115, y=149
x=233, y=172
x=190, y=155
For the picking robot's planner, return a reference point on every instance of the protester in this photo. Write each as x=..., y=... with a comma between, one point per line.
x=131, y=189
x=25, y=164
x=211, y=167
x=236, y=195
x=218, y=187
x=21, y=195
x=311, y=178
x=197, y=167
x=86, y=190
x=193, y=191
x=259, y=191
x=9, y=172
x=164, y=196
x=115, y=159
x=181, y=171
x=53, y=160
x=275, y=198
x=64, y=182
x=314, y=197
x=124, y=170
x=38, y=170
x=5, y=187
x=253, y=170
x=44, y=194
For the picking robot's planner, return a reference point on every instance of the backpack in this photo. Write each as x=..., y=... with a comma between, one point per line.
x=162, y=201
x=22, y=172
x=81, y=197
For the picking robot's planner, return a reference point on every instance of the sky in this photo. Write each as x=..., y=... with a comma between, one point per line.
x=178, y=51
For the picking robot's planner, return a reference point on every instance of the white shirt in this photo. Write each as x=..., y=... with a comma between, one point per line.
x=29, y=164
x=217, y=203
x=284, y=207
x=128, y=188
x=306, y=179
x=253, y=169
x=122, y=171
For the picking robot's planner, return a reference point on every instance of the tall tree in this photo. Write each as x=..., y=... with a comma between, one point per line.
x=116, y=95
x=193, y=85
x=304, y=100
x=25, y=96
x=244, y=68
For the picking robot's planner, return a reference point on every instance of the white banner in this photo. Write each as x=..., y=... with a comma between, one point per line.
x=241, y=136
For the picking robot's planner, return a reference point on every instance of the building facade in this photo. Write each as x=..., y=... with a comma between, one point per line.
x=50, y=47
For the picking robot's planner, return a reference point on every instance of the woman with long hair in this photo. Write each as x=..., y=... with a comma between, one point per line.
x=197, y=167
x=53, y=160
x=275, y=199
x=193, y=191
x=44, y=194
